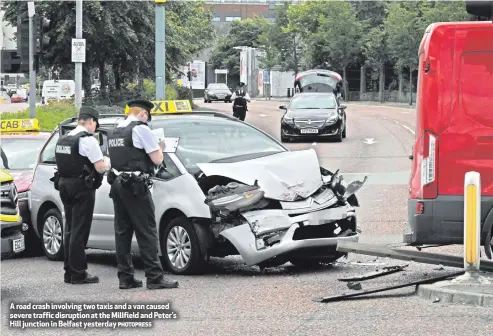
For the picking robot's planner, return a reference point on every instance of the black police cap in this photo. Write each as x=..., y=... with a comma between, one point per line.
x=89, y=111
x=145, y=104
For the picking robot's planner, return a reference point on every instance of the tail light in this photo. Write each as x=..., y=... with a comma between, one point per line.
x=429, y=185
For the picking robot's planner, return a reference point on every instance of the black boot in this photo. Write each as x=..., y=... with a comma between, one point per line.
x=162, y=284
x=129, y=284
x=86, y=279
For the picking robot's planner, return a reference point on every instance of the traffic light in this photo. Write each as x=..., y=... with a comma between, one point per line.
x=42, y=25
x=23, y=37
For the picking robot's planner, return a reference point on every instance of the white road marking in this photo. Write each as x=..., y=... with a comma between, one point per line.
x=409, y=129
x=385, y=118
x=396, y=122
x=369, y=141
x=406, y=112
x=263, y=115
x=314, y=144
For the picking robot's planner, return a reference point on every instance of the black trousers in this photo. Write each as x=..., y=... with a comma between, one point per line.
x=78, y=202
x=239, y=112
x=135, y=214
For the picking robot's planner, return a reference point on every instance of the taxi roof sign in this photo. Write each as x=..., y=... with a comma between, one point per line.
x=19, y=125
x=168, y=106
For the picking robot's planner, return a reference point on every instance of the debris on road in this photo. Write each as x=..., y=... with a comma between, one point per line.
x=376, y=274
x=378, y=290
x=354, y=285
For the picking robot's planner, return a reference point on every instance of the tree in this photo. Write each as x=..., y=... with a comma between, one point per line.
x=403, y=25
x=375, y=48
x=338, y=37
x=242, y=33
x=122, y=36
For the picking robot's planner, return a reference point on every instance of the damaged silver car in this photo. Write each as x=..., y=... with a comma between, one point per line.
x=228, y=189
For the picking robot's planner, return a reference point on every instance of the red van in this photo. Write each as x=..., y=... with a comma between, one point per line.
x=454, y=132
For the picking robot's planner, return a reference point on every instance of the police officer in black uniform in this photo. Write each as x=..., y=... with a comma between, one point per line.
x=81, y=166
x=240, y=100
x=135, y=153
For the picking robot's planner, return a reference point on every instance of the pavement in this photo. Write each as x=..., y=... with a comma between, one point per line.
x=13, y=107
x=462, y=290
x=233, y=299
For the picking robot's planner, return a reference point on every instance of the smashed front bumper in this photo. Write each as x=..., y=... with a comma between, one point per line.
x=252, y=238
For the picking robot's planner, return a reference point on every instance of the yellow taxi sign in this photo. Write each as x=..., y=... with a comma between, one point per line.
x=19, y=125
x=168, y=106
x=160, y=1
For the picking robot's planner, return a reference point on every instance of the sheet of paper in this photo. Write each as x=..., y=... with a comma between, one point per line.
x=159, y=134
x=171, y=144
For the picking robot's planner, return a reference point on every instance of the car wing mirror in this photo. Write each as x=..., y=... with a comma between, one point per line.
x=283, y=107
x=343, y=107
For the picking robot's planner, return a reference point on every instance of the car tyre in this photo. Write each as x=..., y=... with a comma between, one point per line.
x=339, y=136
x=344, y=131
x=180, y=232
x=52, y=235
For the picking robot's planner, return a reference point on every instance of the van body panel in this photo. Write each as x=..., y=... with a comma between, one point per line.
x=454, y=108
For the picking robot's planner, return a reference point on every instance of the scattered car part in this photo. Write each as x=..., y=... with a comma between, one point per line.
x=376, y=274
x=354, y=285
x=383, y=289
x=416, y=256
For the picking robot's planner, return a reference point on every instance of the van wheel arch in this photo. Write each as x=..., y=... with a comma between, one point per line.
x=487, y=232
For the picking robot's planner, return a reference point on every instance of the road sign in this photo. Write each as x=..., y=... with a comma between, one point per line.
x=266, y=77
x=78, y=50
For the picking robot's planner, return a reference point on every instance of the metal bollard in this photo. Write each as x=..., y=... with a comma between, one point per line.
x=289, y=92
x=472, y=229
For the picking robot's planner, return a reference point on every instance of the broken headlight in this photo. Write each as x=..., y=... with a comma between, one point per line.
x=233, y=196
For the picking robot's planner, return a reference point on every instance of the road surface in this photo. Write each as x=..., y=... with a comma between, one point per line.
x=235, y=300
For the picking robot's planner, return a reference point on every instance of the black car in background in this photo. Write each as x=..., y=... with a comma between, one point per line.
x=216, y=92
x=313, y=114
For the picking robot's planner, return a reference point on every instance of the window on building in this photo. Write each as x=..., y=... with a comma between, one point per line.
x=272, y=5
x=216, y=19
x=232, y=18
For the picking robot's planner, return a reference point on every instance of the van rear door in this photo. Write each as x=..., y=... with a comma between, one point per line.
x=467, y=143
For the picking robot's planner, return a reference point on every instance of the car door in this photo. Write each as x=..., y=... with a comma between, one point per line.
x=102, y=231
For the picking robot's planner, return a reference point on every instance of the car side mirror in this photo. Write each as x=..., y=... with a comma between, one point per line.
x=283, y=107
x=343, y=107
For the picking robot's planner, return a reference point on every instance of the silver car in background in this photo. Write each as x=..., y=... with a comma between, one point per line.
x=228, y=189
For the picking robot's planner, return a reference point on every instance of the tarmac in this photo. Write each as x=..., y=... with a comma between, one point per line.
x=474, y=292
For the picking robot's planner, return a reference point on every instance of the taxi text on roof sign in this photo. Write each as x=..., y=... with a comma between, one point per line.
x=169, y=106
x=19, y=125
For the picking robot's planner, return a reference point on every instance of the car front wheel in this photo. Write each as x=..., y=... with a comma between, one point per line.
x=180, y=248
x=52, y=235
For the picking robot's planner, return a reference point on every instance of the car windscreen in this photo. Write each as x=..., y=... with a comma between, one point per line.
x=203, y=140
x=218, y=87
x=313, y=102
x=317, y=83
x=20, y=153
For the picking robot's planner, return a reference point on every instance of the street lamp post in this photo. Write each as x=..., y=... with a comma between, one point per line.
x=160, y=62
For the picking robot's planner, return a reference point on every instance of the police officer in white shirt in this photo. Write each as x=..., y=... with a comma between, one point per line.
x=81, y=166
x=135, y=153
x=240, y=99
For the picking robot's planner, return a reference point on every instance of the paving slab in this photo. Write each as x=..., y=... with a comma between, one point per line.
x=472, y=293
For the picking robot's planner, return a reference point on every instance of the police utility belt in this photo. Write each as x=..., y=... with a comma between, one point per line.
x=138, y=182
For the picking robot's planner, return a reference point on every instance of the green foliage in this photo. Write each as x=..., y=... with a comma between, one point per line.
x=49, y=115
x=120, y=35
x=243, y=33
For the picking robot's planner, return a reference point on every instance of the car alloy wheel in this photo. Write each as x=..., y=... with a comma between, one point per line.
x=181, y=247
x=52, y=235
x=178, y=247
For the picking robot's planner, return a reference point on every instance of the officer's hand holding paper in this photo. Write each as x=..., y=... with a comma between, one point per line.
x=168, y=145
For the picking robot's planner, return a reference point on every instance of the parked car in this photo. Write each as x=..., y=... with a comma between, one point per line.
x=11, y=227
x=216, y=92
x=20, y=146
x=229, y=188
x=310, y=115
